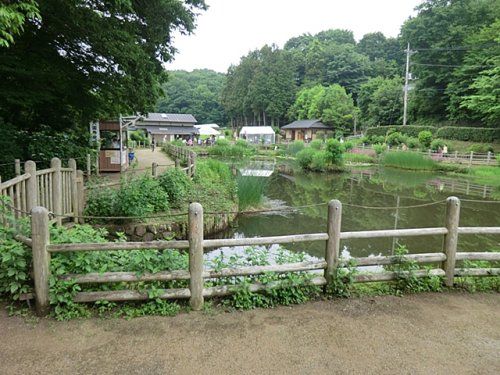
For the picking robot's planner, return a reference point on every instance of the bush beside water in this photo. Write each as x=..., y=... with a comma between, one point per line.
x=407, y=160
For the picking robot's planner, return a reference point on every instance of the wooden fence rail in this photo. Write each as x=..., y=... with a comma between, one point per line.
x=55, y=188
x=445, y=260
x=182, y=154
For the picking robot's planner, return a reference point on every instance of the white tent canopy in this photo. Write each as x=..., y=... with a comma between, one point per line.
x=207, y=129
x=215, y=126
x=258, y=134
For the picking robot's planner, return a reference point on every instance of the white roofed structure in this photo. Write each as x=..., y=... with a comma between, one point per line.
x=258, y=134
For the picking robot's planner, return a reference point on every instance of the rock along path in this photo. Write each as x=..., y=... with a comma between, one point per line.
x=445, y=333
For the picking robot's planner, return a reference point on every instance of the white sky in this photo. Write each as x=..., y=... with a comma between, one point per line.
x=230, y=29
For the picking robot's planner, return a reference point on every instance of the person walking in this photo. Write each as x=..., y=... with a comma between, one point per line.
x=153, y=145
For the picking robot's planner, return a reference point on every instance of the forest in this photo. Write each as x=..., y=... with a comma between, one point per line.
x=454, y=66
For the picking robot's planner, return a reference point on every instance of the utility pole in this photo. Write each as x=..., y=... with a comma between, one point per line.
x=405, y=103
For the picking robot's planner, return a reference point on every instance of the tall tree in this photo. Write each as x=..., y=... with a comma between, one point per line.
x=86, y=59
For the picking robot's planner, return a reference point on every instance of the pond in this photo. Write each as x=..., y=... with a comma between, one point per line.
x=388, y=191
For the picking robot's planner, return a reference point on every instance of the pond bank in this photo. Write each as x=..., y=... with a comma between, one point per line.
x=454, y=332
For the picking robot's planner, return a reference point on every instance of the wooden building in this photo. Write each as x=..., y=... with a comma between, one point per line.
x=165, y=127
x=302, y=130
x=113, y=153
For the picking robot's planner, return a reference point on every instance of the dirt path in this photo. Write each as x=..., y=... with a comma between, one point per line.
x=448, y=333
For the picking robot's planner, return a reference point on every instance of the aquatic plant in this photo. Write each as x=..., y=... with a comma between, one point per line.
x=250, y=191
x=408, y=160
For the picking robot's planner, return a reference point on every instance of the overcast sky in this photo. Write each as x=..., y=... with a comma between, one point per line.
x=230, y=29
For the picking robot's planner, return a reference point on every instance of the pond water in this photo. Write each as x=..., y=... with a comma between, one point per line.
x=371, y=187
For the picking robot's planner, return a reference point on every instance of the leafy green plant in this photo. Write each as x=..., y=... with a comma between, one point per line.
x=334, y=152
x=425, y=138
x=358, y=158
x=396, y=139
x=316, y=144
x=412, y=143
x=177, y=185
x=342, y=281
x=407, y=281
x=304, y=157
x=437, y=144
x=319, y=161
x=379, y=148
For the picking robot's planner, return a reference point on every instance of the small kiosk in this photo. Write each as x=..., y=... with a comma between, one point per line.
x=112, y=136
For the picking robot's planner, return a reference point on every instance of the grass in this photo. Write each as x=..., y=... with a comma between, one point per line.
x=250, y=191
x=358, y=158
x=486, y=175
x=408, y=160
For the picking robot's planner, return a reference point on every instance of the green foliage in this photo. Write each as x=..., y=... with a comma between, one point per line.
x=332, y=105
x=396, y=139
x=409, y=130
x=479, y=284
x=407, y=160
x=177, y=185
x=139, y=136
x=138, y=197
x=319, y=161
x=358, y=158
x=380, y=101
x=471, y=134
x=223, y=148
x=412, y=143
x=334, y=152
x=437, y=144
x=341, y=284
x=250, y=191
x=425, y=138
x=88, y=60
x=406, y=281
x=197, y=92
x=304, y=157
x=379, y=148
x=293, y=290
x=13, y=16
x=316, y=144
x=480, y=148
x=295, y=147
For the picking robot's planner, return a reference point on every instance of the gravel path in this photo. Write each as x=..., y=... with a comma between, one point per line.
x=446, y=333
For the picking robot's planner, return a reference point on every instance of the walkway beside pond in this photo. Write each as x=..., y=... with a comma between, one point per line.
x=145, y=159
x=442, y=333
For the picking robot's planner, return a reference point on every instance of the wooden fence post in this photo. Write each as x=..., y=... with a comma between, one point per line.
x=80, y=192
x=189, y=164
x=89, y=166
x=193, y=168
x=332, y=251
x=177, y=163
x=31, y=185
x=41, y=258
x=488, y=158
x=195, y=237
x=470, y=158
x=17, y=167
x=74, y=192
x=57, y=195
x=154, y=167
x=451, y=238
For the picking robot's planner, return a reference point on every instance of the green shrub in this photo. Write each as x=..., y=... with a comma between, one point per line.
x=409, y=130
x=425, y=138
x=470, y=134
x=177, y=185
x=347, y=146
x=396, y=138
x=437, y=144
x=295, y=147
x=379, y=148
x=480, y=148
x=305, y=157
x=407, y=160
x=319, y=161
x=223, y=142
x=138, y=196
x=334, y=152
x=412, y=143
x=316, y=144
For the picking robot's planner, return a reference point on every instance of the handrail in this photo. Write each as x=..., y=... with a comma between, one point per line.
x=14, y=181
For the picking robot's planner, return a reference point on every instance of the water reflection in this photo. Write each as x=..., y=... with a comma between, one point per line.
x=370, y=187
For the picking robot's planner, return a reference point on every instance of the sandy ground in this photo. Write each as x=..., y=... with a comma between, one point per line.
x=448, y=333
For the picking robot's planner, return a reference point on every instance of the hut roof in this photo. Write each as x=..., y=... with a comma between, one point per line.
x=305, y=124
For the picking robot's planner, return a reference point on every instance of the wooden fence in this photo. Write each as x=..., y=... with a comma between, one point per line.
x=196, y=292
x=182, y=154
x=58, y=189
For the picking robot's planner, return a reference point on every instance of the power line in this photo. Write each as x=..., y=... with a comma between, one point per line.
x=453, y=66
x=459, y=48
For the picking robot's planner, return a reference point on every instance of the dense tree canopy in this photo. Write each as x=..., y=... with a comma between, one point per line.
x=197, y=92
x=380, y=101
x=85, y=59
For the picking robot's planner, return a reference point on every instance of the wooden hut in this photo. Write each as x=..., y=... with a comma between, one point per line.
x=302, y=130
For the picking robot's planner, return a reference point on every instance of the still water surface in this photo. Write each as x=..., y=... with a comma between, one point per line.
x=375, y=187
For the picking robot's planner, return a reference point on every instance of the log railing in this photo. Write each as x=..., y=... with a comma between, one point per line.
x=58, y=189
x=445, y=260
x=182, y=154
